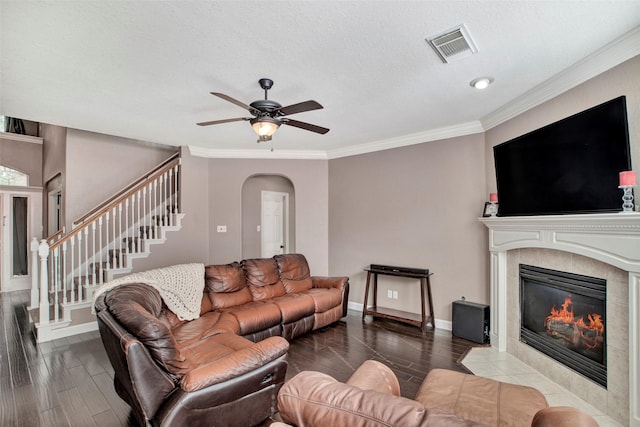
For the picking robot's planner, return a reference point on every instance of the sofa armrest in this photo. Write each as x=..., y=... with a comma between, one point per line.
x=329, y=282
x=562, y=416
x=235, y=364
x=316, y=399
x=341, y=283
x=135, y=371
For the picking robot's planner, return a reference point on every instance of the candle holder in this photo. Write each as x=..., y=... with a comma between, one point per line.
x=627, y=198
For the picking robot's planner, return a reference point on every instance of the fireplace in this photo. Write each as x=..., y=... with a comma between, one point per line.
x=563, y=316
x=600, y=245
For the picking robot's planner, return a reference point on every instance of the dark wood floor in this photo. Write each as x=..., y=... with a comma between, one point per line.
x=68, y=382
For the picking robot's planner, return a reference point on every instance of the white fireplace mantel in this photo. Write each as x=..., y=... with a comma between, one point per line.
x=611, y=238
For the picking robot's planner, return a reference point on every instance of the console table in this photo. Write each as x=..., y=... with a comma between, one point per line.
x=419, y=320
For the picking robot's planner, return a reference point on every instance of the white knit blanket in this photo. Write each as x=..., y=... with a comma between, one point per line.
x=180, y=287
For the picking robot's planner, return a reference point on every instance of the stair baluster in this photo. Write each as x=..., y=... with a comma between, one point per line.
x=43, y=309
x=102, y=246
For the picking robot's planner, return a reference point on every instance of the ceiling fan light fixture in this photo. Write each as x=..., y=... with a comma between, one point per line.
x=265, y=126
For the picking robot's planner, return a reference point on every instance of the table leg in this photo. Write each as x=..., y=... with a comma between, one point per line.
x=433, y=320
x=423, y=324
x=366, y=296
x=375, y=289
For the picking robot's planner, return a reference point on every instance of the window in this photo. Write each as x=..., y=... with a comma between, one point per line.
x=13, y=177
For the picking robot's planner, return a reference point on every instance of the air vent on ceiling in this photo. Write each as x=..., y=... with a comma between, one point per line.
x=453, y=44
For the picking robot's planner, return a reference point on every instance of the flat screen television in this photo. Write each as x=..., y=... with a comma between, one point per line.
x=568, y=167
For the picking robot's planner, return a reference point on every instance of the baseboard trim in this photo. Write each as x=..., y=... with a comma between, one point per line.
x=440, y=324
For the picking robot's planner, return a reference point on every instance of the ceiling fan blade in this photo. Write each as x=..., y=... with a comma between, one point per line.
x=299, y=108
x=305, y=126
x=217, y=122
x=233, y=101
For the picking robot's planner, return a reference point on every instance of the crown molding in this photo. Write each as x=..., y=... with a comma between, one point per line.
x=603, y=59
x=257, y=154
x=462, y=129
x=401, y=141
x=21, y=138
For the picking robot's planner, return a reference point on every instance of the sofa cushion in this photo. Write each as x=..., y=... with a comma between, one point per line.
x=242, y=361
x=478, y=399
x=225, y=285
x=263, y=278
x=325, y=299
x=213, y=348
x=209, y=324
x=294, y=272
x=294, y=306
x=137, y=307
x=256, y=316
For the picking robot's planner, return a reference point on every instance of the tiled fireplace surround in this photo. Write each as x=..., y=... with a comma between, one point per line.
x=600, y=245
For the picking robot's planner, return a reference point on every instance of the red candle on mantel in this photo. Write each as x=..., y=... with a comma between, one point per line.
x=493, y=197
x=627, y=179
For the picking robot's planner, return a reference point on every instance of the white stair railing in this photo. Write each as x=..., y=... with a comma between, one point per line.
x=73, y=265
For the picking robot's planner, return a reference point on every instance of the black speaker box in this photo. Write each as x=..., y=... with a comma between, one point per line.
x=470, y=321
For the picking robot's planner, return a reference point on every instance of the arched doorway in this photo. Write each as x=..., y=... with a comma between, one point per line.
x=268, y=216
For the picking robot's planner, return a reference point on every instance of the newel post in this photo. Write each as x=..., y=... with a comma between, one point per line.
x=43, y=252
x=35, y=300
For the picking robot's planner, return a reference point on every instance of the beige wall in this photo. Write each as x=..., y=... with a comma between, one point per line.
x=310, y=181
x=54, y=143
x=54, y=151
x=22, y=156
x=417, y=207
x=621, y=80
x=98, y=166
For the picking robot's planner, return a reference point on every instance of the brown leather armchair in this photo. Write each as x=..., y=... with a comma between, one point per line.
x=217, y=380
x=371, y=398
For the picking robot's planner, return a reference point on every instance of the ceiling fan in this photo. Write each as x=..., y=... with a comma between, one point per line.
x=268, y=115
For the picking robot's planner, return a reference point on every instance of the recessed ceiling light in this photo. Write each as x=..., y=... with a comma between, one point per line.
x=481, y=82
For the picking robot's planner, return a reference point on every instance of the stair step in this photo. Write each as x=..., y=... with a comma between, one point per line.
x=80, y=294
x=35, y=314
x=161, y=219
x=117, y=257
x=105, y=266
x=148, y=231
x=90, y=280
x=134, y=244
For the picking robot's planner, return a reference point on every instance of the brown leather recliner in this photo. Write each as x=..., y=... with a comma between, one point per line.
x=223, y=380
x=371, y=398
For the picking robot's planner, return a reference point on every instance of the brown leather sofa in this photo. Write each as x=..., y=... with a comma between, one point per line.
x=371, y=398
x=225, y=367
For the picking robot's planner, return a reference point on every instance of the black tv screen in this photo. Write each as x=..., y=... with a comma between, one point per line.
x=568, y=167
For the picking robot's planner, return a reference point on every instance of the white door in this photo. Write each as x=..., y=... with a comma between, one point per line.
x=275, y=223
x=21, y=221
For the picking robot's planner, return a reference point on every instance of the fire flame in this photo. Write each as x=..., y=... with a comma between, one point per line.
x=563, y=323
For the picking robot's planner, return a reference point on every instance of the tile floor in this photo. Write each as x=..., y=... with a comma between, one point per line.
x=489, y=362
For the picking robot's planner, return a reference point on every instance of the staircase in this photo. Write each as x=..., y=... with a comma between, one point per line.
x=68, y=268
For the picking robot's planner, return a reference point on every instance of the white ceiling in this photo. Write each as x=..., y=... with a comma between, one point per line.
x=144, y=69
